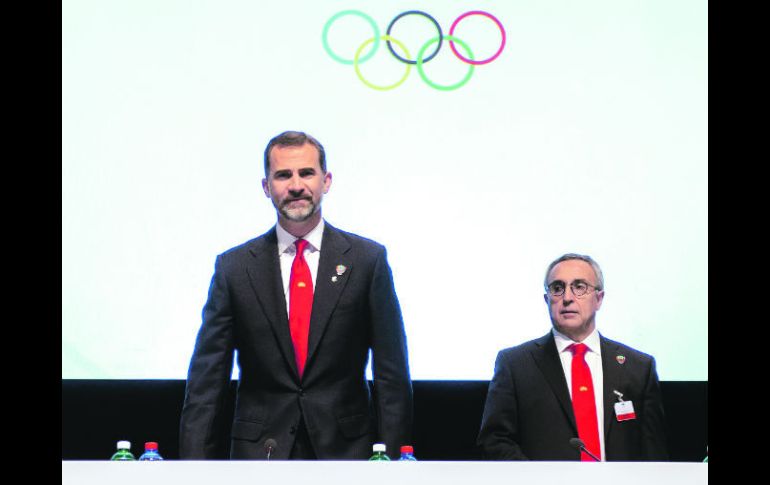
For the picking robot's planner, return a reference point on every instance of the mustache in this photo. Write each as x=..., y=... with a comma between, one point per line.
x=294, y=199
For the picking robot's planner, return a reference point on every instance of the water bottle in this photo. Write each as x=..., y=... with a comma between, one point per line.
x=379, y=453
x=151, y=452
x=124, y=452
x=407, y=454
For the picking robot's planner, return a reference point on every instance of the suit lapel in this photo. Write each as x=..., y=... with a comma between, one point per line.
x=264, y=273
x=547, y=359
x=329, y=285
x=612, y=374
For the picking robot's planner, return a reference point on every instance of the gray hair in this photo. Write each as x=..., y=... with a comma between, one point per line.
x=581, y=257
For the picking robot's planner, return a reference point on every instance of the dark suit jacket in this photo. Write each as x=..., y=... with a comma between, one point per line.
x=528, y=413
x=246, y=311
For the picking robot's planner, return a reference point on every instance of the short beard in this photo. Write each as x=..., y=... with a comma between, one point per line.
x=298, y=215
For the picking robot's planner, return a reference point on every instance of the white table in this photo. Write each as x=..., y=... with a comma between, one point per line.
x=375, y=473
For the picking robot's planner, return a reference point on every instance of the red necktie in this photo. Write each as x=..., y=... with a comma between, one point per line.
x=583, y=402
x=300, y=304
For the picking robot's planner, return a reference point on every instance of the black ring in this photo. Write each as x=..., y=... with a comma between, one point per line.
x=438, y=27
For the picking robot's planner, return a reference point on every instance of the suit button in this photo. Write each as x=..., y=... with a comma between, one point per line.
x=293, y=430
x=301, y=392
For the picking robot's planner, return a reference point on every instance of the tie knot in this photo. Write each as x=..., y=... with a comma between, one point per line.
x=301, y=245
x=579, y=349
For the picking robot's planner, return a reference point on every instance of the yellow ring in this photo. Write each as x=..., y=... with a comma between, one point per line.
x=374, y=86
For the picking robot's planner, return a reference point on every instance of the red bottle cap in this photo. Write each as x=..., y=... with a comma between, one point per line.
x=151, y=445
x=407, y=449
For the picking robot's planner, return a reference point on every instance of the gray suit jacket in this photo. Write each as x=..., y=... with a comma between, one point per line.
x=246, y=311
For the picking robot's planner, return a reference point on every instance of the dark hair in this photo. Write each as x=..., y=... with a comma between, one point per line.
x=294, y=139
x=581, y=257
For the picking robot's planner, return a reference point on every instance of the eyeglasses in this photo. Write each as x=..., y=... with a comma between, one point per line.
x=579, y=288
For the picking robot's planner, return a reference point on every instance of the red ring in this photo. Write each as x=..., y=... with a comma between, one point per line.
x=489, y=16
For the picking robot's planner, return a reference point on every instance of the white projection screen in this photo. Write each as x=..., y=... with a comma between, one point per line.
x=586, y=131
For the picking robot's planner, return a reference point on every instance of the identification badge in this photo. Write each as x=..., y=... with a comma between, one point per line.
x=624, y=410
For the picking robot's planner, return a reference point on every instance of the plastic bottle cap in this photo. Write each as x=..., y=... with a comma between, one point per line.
x=379, y=447
x=124, y=444
x=407, y=449
x=151, y=445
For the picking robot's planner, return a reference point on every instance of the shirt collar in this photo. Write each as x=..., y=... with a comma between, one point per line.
x=593, y=342
x=286, y=240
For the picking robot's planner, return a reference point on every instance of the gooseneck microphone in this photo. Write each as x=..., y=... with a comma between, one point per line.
x=577, y=443
x=270, y=446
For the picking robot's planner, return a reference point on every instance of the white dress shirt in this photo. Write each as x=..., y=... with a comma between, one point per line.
x=593, y=358
x=287, y=250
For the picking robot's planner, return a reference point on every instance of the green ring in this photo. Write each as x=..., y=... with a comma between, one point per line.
x=325, y=35
x=374, y=86
x=439, y=86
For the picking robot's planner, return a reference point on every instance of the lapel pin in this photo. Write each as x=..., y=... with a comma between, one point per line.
x=621, y=359
x=341, y=268
x=334, y=279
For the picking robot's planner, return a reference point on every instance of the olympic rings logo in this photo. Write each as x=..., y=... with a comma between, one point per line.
x=421, y=58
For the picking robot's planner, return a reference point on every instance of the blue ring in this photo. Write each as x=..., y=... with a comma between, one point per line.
x=418, y=12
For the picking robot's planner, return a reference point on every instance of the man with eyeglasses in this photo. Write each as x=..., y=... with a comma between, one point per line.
x=573, y=394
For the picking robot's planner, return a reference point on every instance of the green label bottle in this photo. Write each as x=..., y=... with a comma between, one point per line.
x=378, y=451
x=124, y=452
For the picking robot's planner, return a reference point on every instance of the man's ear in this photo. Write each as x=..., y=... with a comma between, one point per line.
x=327, y=182
x=266, y=187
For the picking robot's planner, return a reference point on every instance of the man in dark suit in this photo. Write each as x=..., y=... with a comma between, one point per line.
x=573, y=384
x=302, y=305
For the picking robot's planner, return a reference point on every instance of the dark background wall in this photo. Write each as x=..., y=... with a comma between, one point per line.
x=447, y=414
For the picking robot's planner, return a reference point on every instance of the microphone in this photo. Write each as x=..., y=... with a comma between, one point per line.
x=577, y=443
x=270, y=446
